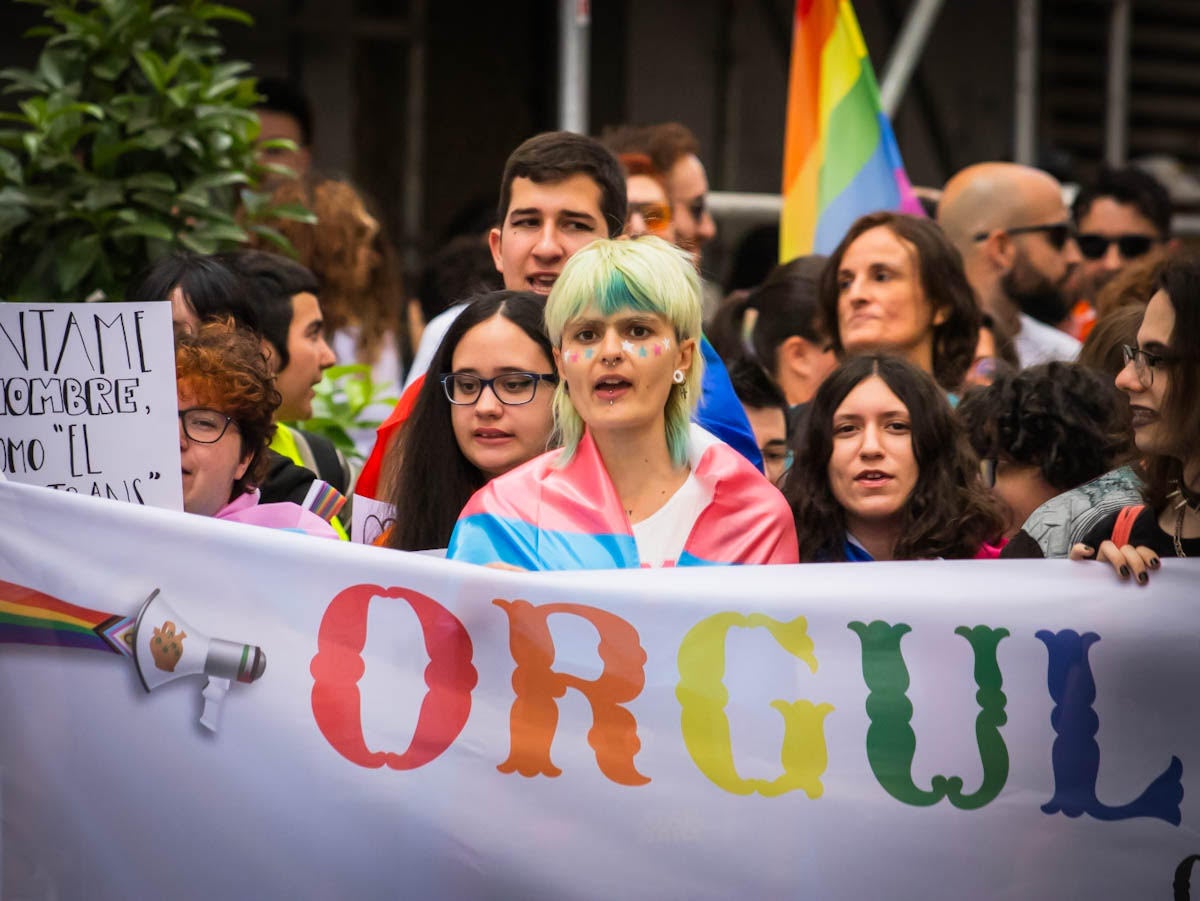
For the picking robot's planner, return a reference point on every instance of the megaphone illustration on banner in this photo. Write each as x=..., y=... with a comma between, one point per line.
x=166, y=647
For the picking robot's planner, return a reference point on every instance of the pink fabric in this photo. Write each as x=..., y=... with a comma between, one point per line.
x=552, y=514
x=289, y=516
x=990, y=551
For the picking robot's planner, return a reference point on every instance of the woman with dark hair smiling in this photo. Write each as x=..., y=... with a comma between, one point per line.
x=896, y=285
x=887, y=473
x=1162, y=379
x=485, y=409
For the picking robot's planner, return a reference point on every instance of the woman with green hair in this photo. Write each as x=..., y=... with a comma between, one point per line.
x=634, y=482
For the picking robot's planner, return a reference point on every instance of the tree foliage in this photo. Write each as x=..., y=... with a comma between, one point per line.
x=133, y=138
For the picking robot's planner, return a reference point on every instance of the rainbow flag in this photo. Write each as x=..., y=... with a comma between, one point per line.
x=31, y=617
x=840, y=158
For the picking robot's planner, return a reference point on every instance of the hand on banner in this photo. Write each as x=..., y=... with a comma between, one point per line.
x=1127, y=560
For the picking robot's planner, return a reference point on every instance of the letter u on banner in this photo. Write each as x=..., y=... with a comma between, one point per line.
x=702, y=697
x=891, y=742
x=338, y=665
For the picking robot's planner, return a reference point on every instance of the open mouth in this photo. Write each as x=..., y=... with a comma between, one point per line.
x=491, y=435
x=542, y=282
x=612, y=386
x=873, y=478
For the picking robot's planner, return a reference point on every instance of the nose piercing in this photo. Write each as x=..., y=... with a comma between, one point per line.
x=610, y=362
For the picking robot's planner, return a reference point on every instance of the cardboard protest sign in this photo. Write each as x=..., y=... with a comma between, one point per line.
x=87, y=400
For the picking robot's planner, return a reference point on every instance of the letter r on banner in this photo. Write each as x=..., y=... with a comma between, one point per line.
x=338, y=665
x=702, y=698
x=534, y=715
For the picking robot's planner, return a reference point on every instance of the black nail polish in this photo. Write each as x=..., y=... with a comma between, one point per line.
x=1155, y=563
x=1142, y=578
x=1124, y=572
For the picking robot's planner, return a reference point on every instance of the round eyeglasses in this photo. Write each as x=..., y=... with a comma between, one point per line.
x=511, y=388
x=204, y=426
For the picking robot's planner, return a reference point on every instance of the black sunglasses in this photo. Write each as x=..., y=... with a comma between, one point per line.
x=1057, y=233
x=1129, y=246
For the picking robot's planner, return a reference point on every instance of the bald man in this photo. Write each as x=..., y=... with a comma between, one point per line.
x=1014, y=232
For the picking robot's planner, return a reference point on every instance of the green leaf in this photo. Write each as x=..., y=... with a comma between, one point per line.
x=157, y=201
x=217, y=11
x=10, y=167
x=152, y=67
x=77, y=260
x=197, y=245
x=22, y=80
x=103, y=195
x=217, y=231
x=50, y=68
x=293, y=212
x=146, y=228
x=151, y=181
x=109, y=70
x=11, y=217
x=275, y=237
x=219, y=180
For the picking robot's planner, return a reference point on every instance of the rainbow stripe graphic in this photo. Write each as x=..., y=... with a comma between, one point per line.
x=31, y=617
x=840, y=158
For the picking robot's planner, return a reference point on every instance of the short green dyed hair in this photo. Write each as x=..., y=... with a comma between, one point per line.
x=646, y=274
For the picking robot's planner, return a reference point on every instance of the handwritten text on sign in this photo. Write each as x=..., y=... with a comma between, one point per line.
x=81, y=387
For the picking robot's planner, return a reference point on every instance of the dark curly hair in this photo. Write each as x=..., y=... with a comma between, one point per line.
x=223, y=366
x=1060, y=417
x=943, y=281
x=948, y=514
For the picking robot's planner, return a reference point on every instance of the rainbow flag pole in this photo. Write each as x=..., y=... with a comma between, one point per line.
x=840, y=158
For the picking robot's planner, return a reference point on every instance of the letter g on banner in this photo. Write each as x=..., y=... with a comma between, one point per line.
x=338, y=665
x=702, y=698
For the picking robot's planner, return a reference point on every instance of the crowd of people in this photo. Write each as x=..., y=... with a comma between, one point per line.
x=1008, y=378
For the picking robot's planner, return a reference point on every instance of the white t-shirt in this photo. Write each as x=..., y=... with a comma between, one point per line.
x=1037, y=343
x=660, y=537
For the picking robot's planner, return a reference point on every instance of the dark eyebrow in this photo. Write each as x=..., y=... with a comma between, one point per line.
x=525, y=211
x=1155, y=347
x=576, y=214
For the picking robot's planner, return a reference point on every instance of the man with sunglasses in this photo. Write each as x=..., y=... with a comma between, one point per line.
x=1017, y=241
x=1120, y=218
x=674, y=151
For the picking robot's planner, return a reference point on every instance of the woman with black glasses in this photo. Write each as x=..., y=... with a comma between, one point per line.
x=1162, y=379
x=227, y=402
x=484, y=409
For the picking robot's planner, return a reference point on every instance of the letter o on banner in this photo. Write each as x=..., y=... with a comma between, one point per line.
x=338, y=666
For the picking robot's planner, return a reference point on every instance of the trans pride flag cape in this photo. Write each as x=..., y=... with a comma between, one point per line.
x=840, y=159
x=541, y=518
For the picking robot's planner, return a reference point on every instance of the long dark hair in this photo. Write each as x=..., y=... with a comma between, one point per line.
x=949, y=513
x=1180, y=412
x=430, y=479
x=943, y=281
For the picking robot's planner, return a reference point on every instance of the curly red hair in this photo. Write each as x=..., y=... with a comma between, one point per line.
x=223, y=366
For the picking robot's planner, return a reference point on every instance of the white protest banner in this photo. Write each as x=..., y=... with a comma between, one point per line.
x=87, y=400
x=426, y=729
